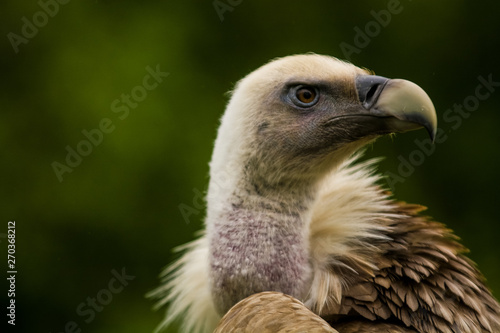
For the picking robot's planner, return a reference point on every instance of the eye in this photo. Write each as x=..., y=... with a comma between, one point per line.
x=304, y=96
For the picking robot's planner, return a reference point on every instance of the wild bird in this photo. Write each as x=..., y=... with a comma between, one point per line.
x=291, y=210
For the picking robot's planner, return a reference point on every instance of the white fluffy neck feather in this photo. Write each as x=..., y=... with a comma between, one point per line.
x=348, y=216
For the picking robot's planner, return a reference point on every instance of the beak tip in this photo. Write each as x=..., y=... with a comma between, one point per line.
x=431, y=123
x=432, y=133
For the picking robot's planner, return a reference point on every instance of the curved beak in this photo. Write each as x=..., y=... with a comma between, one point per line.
x=404, y=104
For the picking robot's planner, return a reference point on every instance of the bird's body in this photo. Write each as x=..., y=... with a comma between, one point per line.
x=288, y=210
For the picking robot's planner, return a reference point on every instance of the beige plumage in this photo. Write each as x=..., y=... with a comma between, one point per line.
x=272, y=312
x=289, y=209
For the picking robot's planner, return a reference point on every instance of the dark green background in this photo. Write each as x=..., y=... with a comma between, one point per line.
x=119, y=207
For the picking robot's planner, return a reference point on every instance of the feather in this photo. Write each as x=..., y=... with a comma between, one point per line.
x=271, y=312
x=185, y=288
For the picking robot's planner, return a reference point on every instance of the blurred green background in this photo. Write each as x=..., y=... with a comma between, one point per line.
x=119, y=207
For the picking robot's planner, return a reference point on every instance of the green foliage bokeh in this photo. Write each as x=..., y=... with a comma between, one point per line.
x=119, y=207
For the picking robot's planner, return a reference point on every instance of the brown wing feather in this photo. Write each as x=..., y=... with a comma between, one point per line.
x=363, y=326
x=424, y=281
x=271, y=312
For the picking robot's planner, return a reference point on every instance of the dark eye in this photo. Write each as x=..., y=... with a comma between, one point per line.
x=304, y=96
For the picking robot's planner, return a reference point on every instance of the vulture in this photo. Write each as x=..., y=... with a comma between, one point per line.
x=297, y=228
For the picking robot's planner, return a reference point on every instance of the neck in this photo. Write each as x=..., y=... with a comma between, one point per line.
x=259, y=241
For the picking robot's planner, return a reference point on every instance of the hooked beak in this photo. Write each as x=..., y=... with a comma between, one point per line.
x=404, y=105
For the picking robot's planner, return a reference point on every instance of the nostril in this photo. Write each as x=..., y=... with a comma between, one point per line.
x=371, y=93
x=369, y=88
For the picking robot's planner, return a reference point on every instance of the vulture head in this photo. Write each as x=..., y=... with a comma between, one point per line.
x=289, y=211
x=297, y=117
